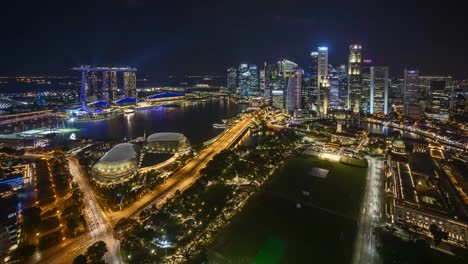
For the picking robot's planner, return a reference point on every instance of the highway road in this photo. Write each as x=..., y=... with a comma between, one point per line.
x=98, y=225
x=101, y=222
x=370, y=217
x=185, y=177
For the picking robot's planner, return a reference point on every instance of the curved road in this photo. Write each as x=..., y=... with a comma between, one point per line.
x=101, y=223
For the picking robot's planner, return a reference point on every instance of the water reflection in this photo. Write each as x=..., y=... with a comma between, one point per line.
x=385, y=130
x=193, y=120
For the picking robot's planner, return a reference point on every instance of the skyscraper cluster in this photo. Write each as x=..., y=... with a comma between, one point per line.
x=360, y=87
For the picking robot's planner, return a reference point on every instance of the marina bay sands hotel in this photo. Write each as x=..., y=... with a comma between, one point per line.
x=102, y=85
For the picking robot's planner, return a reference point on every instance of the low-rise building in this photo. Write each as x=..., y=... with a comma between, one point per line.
x=9, y=232
x=420, y=197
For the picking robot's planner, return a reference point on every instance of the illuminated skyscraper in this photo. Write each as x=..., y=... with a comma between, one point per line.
x=354, y=78
x=366, y=83
x=272, y=76
x=231, y=80
x=439, y=90
x=110, y=84
x=322, y=75
x=334, y=88
x=109, y=90
x=129, y=82
x=277, y=99
x=253, y=81
x=410, y=94
x=343, y=77
x=324, y=95
x=262, y=79
x=243, y=79
x=93, y=93
x=293, y=93
x=306, y=92
x=286, y=67
x=248, y=80
x=379, y=85
x=396, y=95
x=314, y=80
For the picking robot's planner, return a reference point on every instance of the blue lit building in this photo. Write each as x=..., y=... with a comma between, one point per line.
x=165, y=96
x=108, y=90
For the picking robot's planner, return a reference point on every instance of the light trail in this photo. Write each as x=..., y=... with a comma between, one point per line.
x=366, y=243
x=101, y=223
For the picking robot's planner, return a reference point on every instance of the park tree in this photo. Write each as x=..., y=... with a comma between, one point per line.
x=22, y=253
x=124, y=227
x=96, y=252
x=31, y=218
x=80, y=259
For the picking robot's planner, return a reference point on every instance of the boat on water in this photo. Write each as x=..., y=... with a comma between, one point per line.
x=94, y=117
x=221, y=126
x=129, y=111
x=171, y=105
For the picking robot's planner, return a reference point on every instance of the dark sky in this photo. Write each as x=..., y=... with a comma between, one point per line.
x=204, y=37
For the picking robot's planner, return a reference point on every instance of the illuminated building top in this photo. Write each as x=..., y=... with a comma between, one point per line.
x=88, y=68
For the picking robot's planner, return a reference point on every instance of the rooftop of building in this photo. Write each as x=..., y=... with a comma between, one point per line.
x=398, y=143
x=415, y=140
x=121, y=152
x=421, y=163
x=417, y=185
x=164, y=136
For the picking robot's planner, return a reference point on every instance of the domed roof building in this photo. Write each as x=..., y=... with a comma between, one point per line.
x=398, y=146
x=118, y=165
x=166, y=142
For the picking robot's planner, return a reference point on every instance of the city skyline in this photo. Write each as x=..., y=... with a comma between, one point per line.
x=139, y=131
x=163, y=39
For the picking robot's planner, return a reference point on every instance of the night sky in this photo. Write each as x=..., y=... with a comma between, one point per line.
x=204, y=37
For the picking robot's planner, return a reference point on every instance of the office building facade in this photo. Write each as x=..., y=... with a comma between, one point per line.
x=366, y=86
x=439, y=91
x=129, y=84
x=314, y=80
x=354, y=78
x=334, y=89
x=293, y=92
x=343, y=78
x=322, y=77
x=379, y=86
x=411, y=104
x=231, y=80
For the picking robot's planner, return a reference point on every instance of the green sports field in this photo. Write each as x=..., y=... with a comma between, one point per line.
x=271, y=229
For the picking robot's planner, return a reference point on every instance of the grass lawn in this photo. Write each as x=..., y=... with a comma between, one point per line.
x=321, y=231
